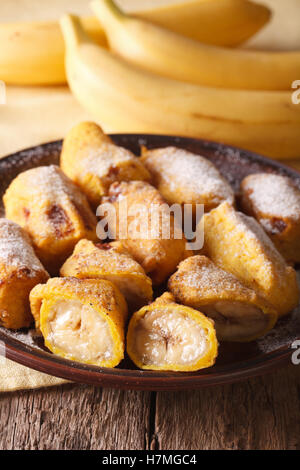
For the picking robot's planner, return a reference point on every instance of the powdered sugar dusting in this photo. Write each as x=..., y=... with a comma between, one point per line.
x=178, y=168
x=200, y=273
x=100, y=161
x=110, y=257
x=15, y=248
x=254, y=230
x=254, y=245
x=272, y=194
x=50, y=184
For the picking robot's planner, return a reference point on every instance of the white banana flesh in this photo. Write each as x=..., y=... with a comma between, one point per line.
x=163, y=339
x=79, y=332
x=236, y=320
x=172, y=55
x=125, y=98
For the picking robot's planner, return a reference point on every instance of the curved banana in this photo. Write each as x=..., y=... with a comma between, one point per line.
x=33, y=53
x=220, y=22
x=171, y=55
x=128, y=99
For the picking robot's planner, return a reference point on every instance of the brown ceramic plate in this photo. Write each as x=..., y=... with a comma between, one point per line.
x=236, y=361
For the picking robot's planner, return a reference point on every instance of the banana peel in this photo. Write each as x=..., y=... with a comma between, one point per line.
x=32, y=53
x=171, y=55
x=128, y=99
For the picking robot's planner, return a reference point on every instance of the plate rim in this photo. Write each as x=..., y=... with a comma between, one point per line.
x=145, y=380
x=135, y=379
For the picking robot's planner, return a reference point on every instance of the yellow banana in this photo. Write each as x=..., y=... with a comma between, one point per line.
x=172, y=55
x=33, y=53
x=126, y=98
x=220, y=22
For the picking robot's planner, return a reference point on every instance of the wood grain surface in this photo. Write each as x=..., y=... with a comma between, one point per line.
x=261, y=413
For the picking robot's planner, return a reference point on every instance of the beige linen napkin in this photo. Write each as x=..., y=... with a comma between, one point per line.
x=14, y=377
x=33, y=115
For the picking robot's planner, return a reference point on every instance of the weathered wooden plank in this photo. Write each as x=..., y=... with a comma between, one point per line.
x=74, y=417
x=262, y=413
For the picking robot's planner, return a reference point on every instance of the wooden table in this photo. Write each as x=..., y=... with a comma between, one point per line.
x=262, y=413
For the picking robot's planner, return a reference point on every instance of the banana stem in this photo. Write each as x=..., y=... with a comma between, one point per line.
x=72, y=31
x=102, y=8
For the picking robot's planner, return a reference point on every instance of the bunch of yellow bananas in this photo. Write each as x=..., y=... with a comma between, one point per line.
x=32, y=53
x=159, y=81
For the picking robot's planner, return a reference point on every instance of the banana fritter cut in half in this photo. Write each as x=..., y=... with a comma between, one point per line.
x=239, y=245
x=274, y=201
x=147, y=228
x=186, y=178
x=20, y=271
x=91, y=159
x=239, y=313
x=81, y=319
x=110, y=261
x=52, y=210
x=168, y=336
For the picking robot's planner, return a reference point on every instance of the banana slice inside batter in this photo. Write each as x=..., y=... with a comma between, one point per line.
x=81, y=319
x=236, y=320
x=168, y=336
x=79, y=331
x=239, y=313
